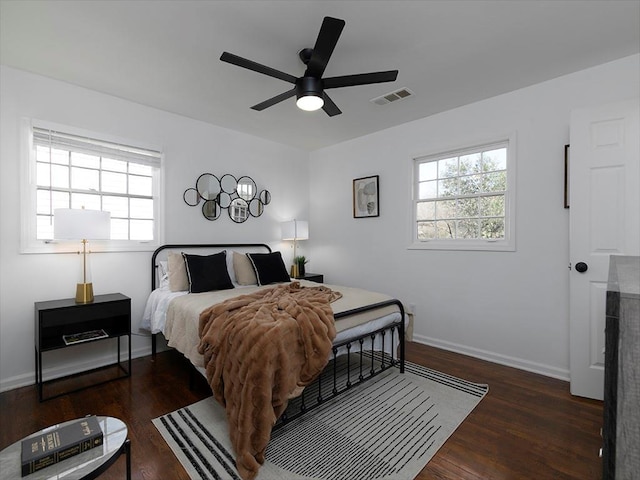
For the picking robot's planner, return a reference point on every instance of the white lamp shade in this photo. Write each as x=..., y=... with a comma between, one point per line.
x=81, y=224
x=295, y=230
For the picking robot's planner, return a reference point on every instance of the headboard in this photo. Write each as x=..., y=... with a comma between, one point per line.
x=200, y=249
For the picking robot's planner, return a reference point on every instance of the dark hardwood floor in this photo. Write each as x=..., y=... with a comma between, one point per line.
x=527, y=427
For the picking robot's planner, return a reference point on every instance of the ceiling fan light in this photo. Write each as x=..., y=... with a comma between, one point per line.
x=310, y=103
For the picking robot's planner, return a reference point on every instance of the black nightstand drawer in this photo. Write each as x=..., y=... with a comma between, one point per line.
x=312, y=277
x=57, y=318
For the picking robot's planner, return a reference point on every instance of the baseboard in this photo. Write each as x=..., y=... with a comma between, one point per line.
x=542, y=369
x=27, y=379
x=522, y=364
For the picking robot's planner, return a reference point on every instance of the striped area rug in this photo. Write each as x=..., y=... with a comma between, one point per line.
x=385, y=429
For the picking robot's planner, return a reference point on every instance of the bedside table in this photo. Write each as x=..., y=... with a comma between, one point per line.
x=62, y=324
x=312, y=277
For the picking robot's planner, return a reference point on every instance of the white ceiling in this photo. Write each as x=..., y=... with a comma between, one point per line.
x=165, y=54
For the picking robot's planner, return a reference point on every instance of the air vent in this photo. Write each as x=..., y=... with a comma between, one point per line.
x=392, y=96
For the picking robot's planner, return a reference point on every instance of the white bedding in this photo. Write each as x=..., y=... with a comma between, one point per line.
x=155, y=317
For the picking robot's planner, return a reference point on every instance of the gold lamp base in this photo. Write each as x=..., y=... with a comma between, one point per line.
x=294, y=271
x=84, y=293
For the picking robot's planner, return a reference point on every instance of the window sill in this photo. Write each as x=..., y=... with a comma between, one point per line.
x=462, y=245
x=95, y=247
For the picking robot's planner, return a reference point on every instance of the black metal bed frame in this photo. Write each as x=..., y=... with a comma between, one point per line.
x=362, y=371
x=360, y=349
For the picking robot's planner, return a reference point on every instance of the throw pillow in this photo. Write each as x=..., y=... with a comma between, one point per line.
x=269, y=267
x=245, y=275
x=177, y=272
x=208, y=272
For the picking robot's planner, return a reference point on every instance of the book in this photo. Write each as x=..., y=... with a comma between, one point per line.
x=84, y=336
x=58, y=443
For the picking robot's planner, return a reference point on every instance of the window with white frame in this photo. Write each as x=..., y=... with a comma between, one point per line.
x=76, y=171
x=463, y=199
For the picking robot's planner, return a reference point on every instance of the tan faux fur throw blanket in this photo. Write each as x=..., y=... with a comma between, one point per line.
x=260, y=350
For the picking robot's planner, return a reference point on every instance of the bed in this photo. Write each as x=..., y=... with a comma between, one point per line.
x=369, y=327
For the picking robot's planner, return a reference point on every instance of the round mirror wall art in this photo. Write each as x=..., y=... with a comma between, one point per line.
x=208, y=186
x=211, y=210
x=238, y=195
x=228, y=183
x=239, y=210
x=224, y=199
x=256, y=207
x=191, y=197
x=265, y=197
x=246, y=188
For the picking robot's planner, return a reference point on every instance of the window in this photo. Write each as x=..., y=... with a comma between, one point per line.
x=463, y=199
x=75, y=171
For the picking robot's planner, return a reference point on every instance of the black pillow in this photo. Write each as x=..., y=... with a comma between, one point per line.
x=207, y=272
x=269, y=267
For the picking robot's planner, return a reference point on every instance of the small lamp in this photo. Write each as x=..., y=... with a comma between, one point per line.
x=295, y=230
x=81, y=224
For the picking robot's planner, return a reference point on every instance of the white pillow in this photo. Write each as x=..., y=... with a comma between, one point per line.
x=163, y=272
x=164, y=268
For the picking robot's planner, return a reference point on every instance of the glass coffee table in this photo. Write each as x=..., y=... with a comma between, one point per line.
x=85, y=466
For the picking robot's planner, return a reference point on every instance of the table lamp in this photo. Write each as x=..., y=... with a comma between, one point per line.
x=295, y=230
x=84, y=225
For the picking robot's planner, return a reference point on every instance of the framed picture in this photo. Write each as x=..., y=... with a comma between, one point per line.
x=366, y=197
x=566, y=176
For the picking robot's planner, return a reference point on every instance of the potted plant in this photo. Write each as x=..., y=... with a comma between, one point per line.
x=300, y=261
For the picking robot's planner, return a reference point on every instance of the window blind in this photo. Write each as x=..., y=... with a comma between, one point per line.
x=91, y=146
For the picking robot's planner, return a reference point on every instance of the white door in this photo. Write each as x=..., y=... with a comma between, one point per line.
x=604, y=220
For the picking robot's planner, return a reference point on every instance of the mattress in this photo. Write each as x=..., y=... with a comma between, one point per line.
x=176, y=315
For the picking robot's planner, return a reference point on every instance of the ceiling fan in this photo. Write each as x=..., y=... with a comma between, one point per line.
x=310, y=88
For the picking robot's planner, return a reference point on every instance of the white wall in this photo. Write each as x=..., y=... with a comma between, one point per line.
x=190, y=147
x=509, y=307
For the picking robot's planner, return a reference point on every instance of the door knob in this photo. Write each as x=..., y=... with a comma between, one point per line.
x=582, y=267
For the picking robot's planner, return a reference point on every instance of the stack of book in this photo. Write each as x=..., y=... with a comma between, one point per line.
x=58, y=443
x=84, y=336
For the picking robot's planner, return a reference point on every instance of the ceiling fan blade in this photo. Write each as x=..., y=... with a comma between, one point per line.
x=256, y=67
x=325, y=43
x=329, y=107
x=274, y=100
x=360, y=79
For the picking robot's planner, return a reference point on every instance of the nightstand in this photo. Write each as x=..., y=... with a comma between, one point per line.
x=312, y=277
x=64, y=323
